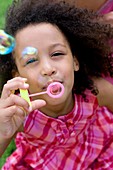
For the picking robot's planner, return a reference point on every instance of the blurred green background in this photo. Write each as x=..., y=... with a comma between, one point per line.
x=3, y=7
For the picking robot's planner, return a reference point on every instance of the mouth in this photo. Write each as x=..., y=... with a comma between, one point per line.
x=48, y=83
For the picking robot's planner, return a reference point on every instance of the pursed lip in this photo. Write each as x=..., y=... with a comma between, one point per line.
x=49, y=82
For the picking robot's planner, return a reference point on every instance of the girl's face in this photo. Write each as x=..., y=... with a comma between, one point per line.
x=48, y=59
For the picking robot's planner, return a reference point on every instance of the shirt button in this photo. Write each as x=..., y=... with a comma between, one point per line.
x=62, y=140
x=73, y=134
x=70, y=121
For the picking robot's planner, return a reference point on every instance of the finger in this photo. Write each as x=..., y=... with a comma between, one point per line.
x=17, y=79
x=14, y=100
x=12, y=87
x=36, y=104
x=9, y=112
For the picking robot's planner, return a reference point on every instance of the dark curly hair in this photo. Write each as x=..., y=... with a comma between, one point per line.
x=88, y=38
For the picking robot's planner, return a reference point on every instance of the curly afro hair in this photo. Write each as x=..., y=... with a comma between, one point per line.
x=89, y=39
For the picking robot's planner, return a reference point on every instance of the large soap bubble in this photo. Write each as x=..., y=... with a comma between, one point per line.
x=7, y=43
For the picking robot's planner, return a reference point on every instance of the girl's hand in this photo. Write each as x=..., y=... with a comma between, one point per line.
x=13, y=108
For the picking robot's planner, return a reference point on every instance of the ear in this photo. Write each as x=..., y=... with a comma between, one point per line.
x=76, y=64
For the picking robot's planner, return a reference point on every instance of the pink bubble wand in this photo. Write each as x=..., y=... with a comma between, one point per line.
x=54, y=90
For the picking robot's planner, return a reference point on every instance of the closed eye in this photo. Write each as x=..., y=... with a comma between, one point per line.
x=57, y=54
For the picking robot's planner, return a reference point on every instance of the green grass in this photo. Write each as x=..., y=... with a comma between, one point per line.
x=7, y=153
x=3, y=6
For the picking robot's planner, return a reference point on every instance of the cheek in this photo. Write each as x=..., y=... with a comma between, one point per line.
x=68, y=70
x=69, y=77
x=27, y=72
x=31, y=77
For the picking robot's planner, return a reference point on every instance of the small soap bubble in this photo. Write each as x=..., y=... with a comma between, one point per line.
x=29, y=51
x=7, y=43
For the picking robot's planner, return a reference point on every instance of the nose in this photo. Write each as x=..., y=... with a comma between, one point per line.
x=48, y=69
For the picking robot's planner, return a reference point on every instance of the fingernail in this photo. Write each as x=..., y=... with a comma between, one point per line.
x=24, y=80
x=30, y=109
x=26, y=85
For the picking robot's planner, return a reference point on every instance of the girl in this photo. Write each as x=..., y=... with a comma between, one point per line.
x=56, y=42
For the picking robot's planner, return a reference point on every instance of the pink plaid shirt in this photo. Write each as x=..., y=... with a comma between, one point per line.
x=80, y=140
x=107, y=7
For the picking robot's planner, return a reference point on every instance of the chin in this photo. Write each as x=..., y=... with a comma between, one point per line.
x=55, y=101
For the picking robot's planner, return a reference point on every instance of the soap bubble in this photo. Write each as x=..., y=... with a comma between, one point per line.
x=29, y=51
x=7, y=43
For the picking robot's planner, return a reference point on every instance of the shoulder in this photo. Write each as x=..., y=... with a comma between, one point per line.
x=99, y=117
x=92, y=107
x=89, y=99
x=87, y=107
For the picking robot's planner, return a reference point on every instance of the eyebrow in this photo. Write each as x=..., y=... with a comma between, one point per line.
x=58, y=44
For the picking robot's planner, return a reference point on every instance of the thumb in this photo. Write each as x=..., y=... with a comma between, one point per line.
x=36, y=104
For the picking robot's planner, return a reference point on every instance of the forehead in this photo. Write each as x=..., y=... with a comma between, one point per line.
x=40, y=33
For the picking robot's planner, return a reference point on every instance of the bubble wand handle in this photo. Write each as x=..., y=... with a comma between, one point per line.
x=36, y=94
